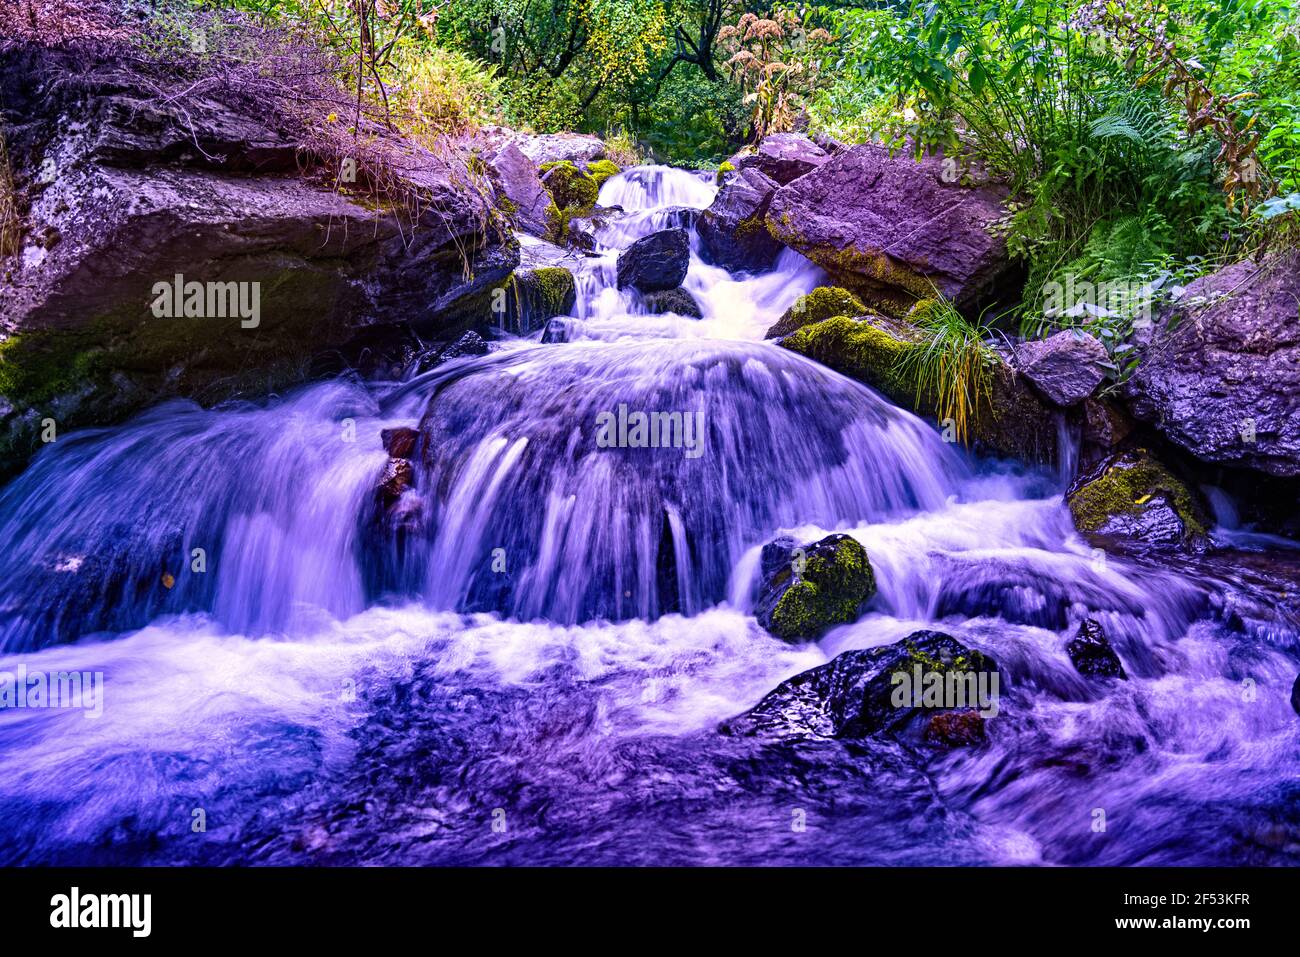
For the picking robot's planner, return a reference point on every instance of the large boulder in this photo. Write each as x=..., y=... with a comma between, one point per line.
x=577, y=148
x=782, y=156
x=656, y=262
x=807, y=590
x=1065, y=368
x=172, y=247
x=876, y=690
x=1221, y=374
x=824, y=302
x=1010, y=420
x=893, y=229
x=520, y=190
x=733, y=229
x=1131, y=498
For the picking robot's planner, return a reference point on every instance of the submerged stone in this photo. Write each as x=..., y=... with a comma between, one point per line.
x=879, y=690
x=1092, y=654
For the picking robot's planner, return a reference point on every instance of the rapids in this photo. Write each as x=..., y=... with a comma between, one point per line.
x=535, y=670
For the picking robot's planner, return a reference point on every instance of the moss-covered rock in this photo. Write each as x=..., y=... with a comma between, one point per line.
x=1134, y=498
x=824, y=302
x=1010, y=420
x=570, y=187
x=601, y=170
x=814, y=588
x=883, y=690
x=529, y=297
x=723, y=169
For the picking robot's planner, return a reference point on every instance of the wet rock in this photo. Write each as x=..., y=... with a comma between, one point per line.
x=1104, y=427
x=158, y=187
x=1221, y=372
x=824, y=302
x=677, y=301
x=1131, y=497
x=656, y=262
x=1011, y=420
x=808, y=590
x=894, y=230
x=955, y=729
x=783, y=157
x=1064, y=368
x=733, y=230
x=1295, y=695
x=1091, y=653
x=469, y=344
x=531, y=297
x=581, y=230
x=876, y=690
x=520, y=190
x=399, y=443
x=396, y=478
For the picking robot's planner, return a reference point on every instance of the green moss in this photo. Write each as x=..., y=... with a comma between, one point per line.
x=1125, y=486
x=570, y=187
x=834, y=582
x=723, y=170
x=824, y=302
x=601, y=170
x=556, y=286
x=866, y=350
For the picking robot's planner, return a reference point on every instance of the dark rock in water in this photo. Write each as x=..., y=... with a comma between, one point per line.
x=783, y=157
x=400, y=443
x=656, y=262
x=895, y=230
x=582, y=230
x=809, y=590
x=677, y=301
x=1295, y=695
x=397, y=477
x=1132, y=497
x=1092, y=654
x=824, y=302
x=860, y=693
x=1065, y=368
x=556, y=330
x=1221, y=373
x=520, y=189
x=733, y=231
x=955, y=729
x=1104, y=427
x=469, y=344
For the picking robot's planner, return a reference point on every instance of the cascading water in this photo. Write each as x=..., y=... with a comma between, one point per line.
x=558, y=627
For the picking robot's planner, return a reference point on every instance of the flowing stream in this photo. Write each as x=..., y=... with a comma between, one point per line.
x=529, y=663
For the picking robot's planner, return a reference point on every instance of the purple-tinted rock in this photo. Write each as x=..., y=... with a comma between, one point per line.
x=733, y=229
x=783, y=157
x=1091, y=653
x=516, y=178
x=656, y=262
x=1221, y=374
x=1065, y=368
x=894, y=229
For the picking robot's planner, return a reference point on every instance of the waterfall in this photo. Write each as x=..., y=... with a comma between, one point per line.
x=562, y=614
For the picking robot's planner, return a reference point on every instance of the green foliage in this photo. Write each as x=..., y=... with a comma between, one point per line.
x=951, y=367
